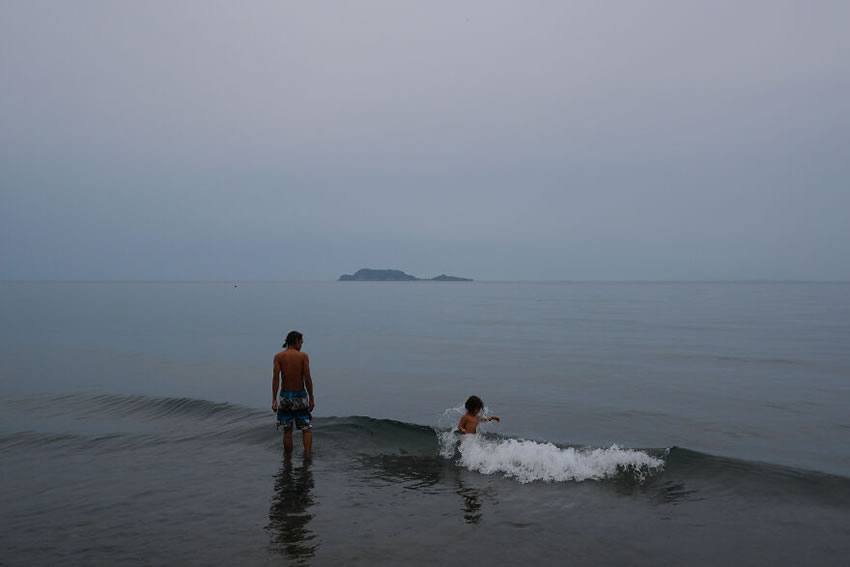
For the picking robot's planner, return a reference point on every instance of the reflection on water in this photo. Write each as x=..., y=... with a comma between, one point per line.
x=676, y=493
x=428, y=475
x=412, y=471
x=671, y=493
x=289, y=515
x=471, y=505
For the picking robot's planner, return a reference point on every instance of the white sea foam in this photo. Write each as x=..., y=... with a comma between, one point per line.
x=527, y=461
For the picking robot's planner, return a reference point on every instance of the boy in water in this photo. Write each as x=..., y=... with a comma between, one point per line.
x=292, y=378
x=470, y=420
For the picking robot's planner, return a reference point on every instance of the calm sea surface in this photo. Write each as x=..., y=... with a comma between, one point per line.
x=684, y=423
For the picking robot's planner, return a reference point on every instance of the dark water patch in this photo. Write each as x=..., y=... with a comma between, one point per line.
x=27, y=440
x=414, y=472
x=69, y=443
x=713, y=359
x=85, y=406
x=691, y=474
x=361, y=434
x=165, y=407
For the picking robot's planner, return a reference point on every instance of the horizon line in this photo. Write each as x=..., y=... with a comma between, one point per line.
x=248, y=281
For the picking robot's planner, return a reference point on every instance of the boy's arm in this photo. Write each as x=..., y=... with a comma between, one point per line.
x=275, y=383
x=308, y=381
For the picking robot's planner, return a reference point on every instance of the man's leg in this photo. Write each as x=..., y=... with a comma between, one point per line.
x=308, y=441
x=287, y=440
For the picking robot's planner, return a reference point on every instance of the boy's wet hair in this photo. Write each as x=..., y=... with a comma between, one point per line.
x=474, y=403
x=292, y=338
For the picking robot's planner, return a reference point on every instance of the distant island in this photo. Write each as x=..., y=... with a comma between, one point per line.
x=369, y=275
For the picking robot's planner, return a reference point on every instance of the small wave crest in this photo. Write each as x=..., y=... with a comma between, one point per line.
x=529, y=461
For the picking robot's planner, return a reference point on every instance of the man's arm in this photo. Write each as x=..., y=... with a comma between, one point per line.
x=308, y=381
x=275, y=383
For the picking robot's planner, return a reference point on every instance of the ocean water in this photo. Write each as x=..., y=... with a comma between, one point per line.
x=641, y=424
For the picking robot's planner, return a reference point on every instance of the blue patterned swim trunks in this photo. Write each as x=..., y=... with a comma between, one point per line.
x=294, y=408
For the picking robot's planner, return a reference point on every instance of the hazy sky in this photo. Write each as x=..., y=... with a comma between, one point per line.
x=494, y=140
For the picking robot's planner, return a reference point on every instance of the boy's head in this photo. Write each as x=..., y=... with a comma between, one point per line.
x=292, y=339
x=474, y=405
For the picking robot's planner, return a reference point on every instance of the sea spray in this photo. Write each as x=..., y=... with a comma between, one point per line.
x=528, y=461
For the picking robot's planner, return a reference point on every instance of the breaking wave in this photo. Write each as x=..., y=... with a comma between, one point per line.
x=529, y=461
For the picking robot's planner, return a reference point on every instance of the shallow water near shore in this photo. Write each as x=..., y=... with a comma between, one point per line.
x=686, y=423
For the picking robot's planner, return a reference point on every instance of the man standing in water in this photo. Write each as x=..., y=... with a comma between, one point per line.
x=292, y=378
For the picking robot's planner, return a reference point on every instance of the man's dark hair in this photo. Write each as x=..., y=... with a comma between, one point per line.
x=474, y=403
x=292, y=338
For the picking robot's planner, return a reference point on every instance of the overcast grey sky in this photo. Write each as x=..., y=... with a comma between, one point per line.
x=495, y=140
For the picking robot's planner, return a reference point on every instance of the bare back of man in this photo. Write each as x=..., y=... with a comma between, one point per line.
x=294, y=367
x=292, y=392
